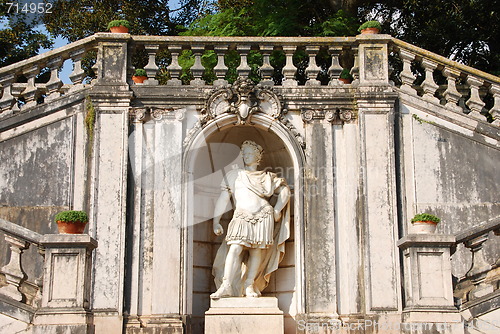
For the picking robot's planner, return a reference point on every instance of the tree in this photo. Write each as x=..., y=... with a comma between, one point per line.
x=465, y=30
x=18, y=38
x=76, y=19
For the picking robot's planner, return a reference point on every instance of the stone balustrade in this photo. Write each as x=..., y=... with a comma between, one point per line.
x=481, y=277
x=281, y=61
x=19, y=82
x=332, y=52
x=442, y=81
x=18, y=239
x=65, y=300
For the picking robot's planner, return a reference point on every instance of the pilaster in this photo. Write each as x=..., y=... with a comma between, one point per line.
x=378, y=199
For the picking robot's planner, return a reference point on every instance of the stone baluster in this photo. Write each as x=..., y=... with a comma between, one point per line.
x=243, y=70
x=7, y=100
x=407, y=77
x=220, y=69
x=429, y=86
x=335, y=69
x=13, y=271
x=174, y=68
x=451, y=93
x=78, y=73
x=31, y=91
x=474, y=102
x=266, y=70
x=480, y=267
x=151, y=68
x=355, y=67
x=197, y=69
x=54, y=83
x=289, y=69
x=495, y=110
x=312, y=69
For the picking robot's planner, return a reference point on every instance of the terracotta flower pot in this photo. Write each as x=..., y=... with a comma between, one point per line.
x=139, y=78
x=345, y=81
x=71, y=227
x=423, y=227
x=119, y=30
x=370, y=31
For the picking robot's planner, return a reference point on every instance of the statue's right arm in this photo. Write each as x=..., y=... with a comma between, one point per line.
x=220, y=208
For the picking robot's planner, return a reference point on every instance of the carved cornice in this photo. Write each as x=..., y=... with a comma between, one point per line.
x=339, y=115
x=144, y=114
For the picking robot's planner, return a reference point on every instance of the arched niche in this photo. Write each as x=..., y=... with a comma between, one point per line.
x=211, y=153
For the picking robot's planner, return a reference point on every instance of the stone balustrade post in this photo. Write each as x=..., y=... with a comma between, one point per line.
x=55, y=83
x=373, y=59
x=220, y=69
x=266, y=70
x=13, y=271
x=312, y=69
x=335, y=69
x=427, y=280
x=7, y=100
x=111, y=64
x=197, y=69
x=495, y=111
x=174, y=68
x=474, y=102
x=65, y=303
x=480, y=267
x=151, y=68
x=30, y=93
x=244, y=69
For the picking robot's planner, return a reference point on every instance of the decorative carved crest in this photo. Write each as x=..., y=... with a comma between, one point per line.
x=244, y=99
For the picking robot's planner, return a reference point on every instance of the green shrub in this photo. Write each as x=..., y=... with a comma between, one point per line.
x=370, y=24
x=71, y=216
x=346, y=74
x=140, y=73
x=421, y=217
x=117, y=23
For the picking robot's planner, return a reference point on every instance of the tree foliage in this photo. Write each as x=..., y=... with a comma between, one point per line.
x=465, y=30
x=18, y=38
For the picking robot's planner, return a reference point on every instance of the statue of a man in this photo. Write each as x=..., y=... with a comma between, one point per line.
x=255, y=240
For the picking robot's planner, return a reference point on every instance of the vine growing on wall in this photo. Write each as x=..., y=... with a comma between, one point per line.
x=90, y=118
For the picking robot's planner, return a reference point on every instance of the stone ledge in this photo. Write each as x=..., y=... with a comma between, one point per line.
x=16, y=310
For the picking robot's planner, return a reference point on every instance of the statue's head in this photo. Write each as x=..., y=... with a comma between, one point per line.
x=251, y=148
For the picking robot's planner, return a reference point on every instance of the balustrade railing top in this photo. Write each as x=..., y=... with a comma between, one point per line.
x=308, y=61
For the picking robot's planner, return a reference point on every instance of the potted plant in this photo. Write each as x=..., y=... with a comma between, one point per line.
x=370, y=27
x=139, y=76
x=119, y=26
x=71, y=222
x=345, y=76
x=424, y=223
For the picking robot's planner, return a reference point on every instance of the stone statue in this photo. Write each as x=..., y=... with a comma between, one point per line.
x=255, y=241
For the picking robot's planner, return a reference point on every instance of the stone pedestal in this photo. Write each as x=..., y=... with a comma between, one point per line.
x=428, y=286
x=244, y=316
x=66, y=281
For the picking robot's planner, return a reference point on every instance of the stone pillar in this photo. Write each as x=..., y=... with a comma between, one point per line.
x=155, y=262
x=427, y=282
x=66, y=283
x=375, y=101
x=320, y=236
x=108, y=190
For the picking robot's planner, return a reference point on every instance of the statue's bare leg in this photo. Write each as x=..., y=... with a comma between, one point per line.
x=254, y=260
x=233, y=260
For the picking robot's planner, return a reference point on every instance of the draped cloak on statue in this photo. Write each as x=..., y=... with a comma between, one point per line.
x=263, y=184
